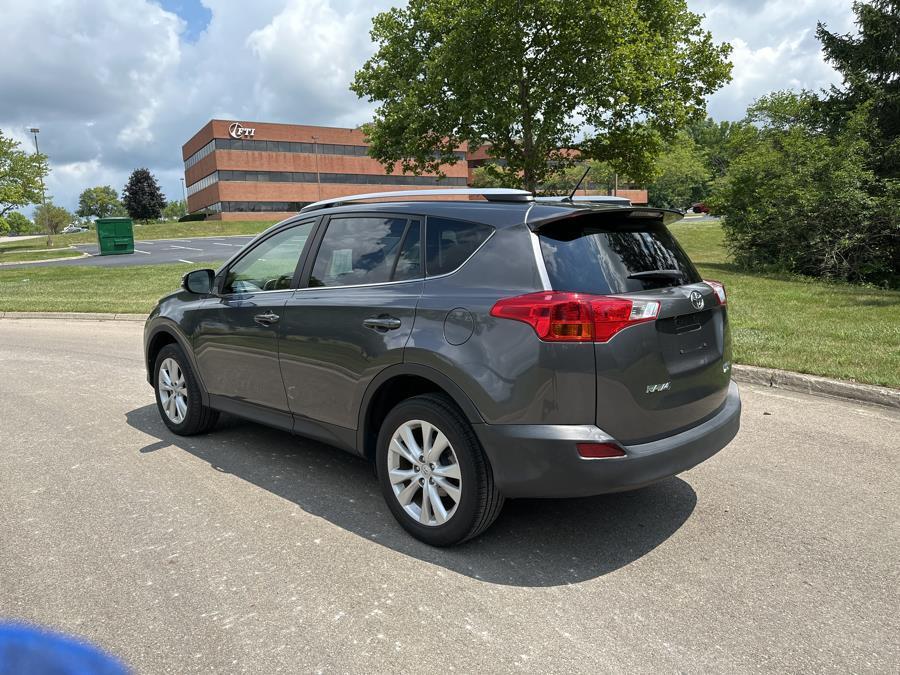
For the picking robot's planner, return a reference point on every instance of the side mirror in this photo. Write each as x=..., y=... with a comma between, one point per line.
x=198, y=281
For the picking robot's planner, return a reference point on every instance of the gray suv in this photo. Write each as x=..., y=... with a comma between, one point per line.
x=473, y=350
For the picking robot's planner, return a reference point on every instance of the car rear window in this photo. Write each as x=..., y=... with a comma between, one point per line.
x=449, y=243
x=600, y=258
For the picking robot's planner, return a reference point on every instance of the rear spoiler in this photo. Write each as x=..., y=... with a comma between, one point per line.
x=611, y=212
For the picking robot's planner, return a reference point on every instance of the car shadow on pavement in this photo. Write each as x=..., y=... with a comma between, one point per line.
x=535, y=542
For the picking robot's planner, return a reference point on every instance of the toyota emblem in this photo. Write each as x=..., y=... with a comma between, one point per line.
x=696, y=300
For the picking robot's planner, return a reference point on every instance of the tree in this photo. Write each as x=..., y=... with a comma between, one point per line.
x=142, y=197
x=51, y=219
x=99, y=202
x=869, y=63
x=21, y=176
x=18, y=224
x=801, y=199
x=713, y=142
x=174, y=210
x=682, y=175
x=529, y=78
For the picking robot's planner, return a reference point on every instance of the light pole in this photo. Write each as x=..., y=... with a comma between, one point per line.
x=184, y=192
x=35, y=131
x=316, y=153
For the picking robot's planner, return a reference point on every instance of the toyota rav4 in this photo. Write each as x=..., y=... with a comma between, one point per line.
x=473, y=350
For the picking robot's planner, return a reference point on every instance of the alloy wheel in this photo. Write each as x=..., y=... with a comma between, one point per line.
x=424, y=472
x=172, y=387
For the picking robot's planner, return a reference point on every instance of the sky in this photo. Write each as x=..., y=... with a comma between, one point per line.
x=118, y=84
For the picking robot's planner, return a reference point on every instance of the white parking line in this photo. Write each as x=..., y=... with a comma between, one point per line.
x=137, y=250
x=218, y=244
x=186, y=248
x=189, y=262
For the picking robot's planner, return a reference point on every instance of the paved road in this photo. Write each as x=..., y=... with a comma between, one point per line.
x=156, y=251
x=248, y=550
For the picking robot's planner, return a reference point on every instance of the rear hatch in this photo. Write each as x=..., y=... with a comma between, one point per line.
x=658, y=377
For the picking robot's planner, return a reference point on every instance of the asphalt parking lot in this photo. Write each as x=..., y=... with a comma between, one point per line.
x=248, y=550
x=154, y=252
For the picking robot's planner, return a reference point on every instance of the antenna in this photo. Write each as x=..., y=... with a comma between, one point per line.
x=578, y=184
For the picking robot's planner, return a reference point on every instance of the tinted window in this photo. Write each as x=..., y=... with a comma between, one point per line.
x=358, y=251
x=449, y=243
x=270, y=265
x=600, y=258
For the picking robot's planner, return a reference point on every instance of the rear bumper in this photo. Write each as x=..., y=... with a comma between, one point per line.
x=542, y=461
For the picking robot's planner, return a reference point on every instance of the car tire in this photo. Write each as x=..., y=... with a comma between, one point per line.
x=458, y=478
x=190, y=416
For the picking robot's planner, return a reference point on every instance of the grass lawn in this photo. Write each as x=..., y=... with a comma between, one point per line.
x=832, y=329
x=132, y=289
x=28, y=255
x=836, y=330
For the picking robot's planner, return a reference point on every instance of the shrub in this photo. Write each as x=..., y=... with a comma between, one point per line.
x=190, y=217
x=799, y=200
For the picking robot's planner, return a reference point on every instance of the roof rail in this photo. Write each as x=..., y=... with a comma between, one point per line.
x=491, y=194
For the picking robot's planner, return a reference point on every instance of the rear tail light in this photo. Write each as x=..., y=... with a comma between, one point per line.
x=575, y=317
x=719, y=288
x=599, y=450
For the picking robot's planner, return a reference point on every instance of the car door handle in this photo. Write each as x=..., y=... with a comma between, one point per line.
x=266, y=319
x=382, y=323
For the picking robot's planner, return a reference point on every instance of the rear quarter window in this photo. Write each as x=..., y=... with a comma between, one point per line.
x=449, y=243
x=599, y=258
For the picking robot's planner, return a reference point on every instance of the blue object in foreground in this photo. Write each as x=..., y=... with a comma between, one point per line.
x=35, y=651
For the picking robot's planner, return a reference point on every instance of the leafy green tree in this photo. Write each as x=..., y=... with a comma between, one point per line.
x=713, y=140
x=869, y=63
x=142, y=197
x=18, y=224
x=530, y=78
x=21, y=176
x=51, y=219
x=800, y=199
x=682, y=175
x=99, y=202
x=174, y=210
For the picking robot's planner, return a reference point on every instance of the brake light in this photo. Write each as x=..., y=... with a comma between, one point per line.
x=719, y=288
x=575, y=317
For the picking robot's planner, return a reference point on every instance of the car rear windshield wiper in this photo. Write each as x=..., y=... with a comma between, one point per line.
x=658, y=274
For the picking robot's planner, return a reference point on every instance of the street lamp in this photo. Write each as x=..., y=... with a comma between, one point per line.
x=316, y=153
x=35, y=131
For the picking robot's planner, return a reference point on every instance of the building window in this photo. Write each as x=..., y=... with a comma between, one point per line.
x=200, y=154
x=204, y=182
x=324, y=177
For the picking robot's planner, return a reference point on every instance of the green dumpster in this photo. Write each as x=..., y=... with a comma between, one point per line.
x=116, y=235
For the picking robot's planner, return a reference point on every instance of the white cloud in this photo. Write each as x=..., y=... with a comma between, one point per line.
x=114, y=85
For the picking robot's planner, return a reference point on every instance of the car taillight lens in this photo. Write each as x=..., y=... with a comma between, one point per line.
x=599, y=450
x=575, y=317
x=719, y=288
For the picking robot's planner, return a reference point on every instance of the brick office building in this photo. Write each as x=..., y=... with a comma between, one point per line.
x=249, y=170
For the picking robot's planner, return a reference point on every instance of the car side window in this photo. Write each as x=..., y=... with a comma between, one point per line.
x=367, y=250
x=270, y=265
x=449, y=243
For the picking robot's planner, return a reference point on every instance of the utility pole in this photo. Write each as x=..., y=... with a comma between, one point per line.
x=318, y=181
x=184, y=192
x=35, y=131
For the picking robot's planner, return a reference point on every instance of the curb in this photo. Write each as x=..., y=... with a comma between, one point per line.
x=770, y=377
x=38, y=262
x=74, y=316
x=819, y=386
